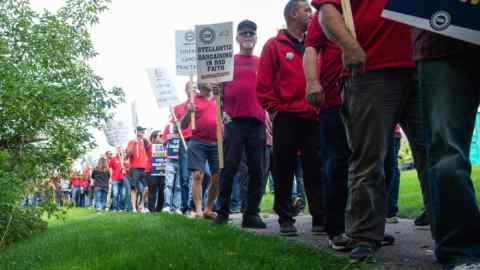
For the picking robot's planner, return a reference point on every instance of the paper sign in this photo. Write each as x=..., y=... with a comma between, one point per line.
x=454, y=18
x=116, y=133
x=158, y=160
x=133, y=107
x=214, y=52
x=186, y=53
x=162, y=87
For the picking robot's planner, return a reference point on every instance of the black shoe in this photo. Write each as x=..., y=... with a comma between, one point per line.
x=422, y=220
x=253, y=222
x=363, y=252
x=341, y=242
x=221, y=220
x=388, y=240
x=288, y=229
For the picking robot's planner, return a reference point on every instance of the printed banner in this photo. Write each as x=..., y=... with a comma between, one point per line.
x=163, y=88
x=186, y=53
x=214, y=52
x=158, y=160
x=453, y=18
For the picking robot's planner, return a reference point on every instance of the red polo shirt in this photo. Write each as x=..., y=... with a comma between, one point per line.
x=239, y=95
x=387, y=43
x=138, y=159
x=116, y=165
x=329, y=62
x=281, y=84
x=205, y=119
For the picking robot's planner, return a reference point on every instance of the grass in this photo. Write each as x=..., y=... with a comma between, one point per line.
x=157, y=241
x=410, y=199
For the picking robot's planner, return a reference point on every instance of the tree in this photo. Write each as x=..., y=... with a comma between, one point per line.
x=49, y=95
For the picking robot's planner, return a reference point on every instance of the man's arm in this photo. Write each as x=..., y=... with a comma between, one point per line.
x=315, y=95
x=185, y=122
x=267, y=68
x=333, y=25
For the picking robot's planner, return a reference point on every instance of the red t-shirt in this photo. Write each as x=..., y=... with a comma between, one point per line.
x=116, y=165
x=239, y=95
x=148, y=165
x=138, y=159
x=180, y=111
x=387, y=43
x=205, y=119
x=329, y=62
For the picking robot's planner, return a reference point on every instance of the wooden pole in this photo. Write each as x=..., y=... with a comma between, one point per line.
x=219, y=115
x=192, y=100
x=348, y=17
x=177, y=124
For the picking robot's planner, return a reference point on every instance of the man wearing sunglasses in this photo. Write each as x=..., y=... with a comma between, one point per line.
x=244, y=130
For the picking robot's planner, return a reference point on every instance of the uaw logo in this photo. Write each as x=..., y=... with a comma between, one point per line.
x=189, y=36
x=207, y=35
x=441, y=20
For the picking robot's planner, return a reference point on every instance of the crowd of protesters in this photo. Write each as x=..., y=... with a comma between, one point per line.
x=317, y=115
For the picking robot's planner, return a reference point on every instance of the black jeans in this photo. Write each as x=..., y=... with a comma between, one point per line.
x=243, y=134
x=156, y=188
x=291, y=134
x=372, y=105
x=335, y=153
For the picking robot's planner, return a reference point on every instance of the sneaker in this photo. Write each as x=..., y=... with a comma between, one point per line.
x=145, y=210
x=388, y=240
x=177, y=212
x=221, y=220
x=341, y=242
x=253, y=222
x=318, y=230
x=465, y=266
x=134, y=210
x=166, y=209
x=422, y=220
x=392, y=220
x=363, y=252
x=288, y=229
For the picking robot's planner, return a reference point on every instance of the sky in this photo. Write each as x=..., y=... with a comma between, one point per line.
x=135, y=35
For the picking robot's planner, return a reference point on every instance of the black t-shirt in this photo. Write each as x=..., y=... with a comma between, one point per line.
x=101, y=178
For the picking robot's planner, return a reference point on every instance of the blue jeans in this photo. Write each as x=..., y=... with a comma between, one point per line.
x=126, y=204
x=100, y=197
x=235, y=203
x=118, y=195
x=185, y=178
x=173, y=196
x=392, y=176
x=78, y=197
x=450, y=89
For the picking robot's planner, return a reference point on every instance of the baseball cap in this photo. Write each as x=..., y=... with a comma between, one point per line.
x=139, y=128
x=247, y=24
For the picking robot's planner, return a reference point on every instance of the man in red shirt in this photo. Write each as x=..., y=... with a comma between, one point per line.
x=244, y=130
x=117, y=169
x=184, y=175
x=281, y=91
x=378, y=92
x=203, y=148
x=450, y=90
x=137, y=156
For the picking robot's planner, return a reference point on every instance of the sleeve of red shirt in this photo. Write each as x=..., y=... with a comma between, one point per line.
x=266, y=78
x=315, y=36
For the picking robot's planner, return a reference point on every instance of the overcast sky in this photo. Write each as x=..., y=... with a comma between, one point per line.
x=135, y=35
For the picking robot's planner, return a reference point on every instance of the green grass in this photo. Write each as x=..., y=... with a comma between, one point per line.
x=157, y=241
x=410, y=199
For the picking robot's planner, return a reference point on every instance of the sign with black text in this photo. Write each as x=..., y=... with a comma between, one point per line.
x=163, y=88
x=185, y=53
x=214, y=52
x=454, y=18
x=158, y=160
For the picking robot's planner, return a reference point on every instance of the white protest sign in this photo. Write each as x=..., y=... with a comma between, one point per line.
x=133, y=107
x=214, y=52
x=186, y=53
x=116, y=133
x=162, y=87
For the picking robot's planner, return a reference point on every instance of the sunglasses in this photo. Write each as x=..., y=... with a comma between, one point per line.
x=247, y=33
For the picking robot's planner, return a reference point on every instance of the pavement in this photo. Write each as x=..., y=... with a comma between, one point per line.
x=412, y=249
